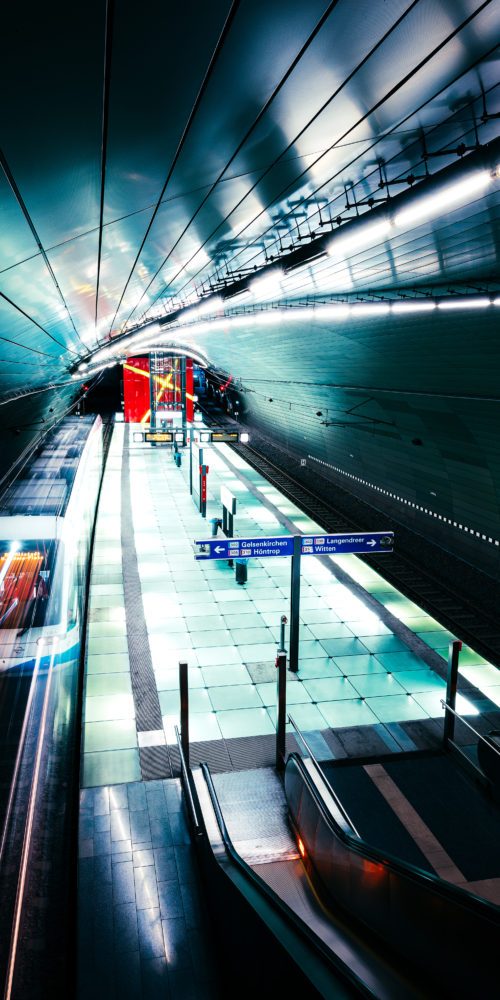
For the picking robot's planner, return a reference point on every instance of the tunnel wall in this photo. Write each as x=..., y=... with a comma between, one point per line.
x=404, y=411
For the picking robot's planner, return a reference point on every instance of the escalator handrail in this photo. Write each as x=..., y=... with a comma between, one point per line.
x=272, y=897
x=189, y=792
x=432, y=883
x=324, y=779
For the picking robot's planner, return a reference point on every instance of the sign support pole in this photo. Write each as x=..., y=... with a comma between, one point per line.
x=184, y=697
x=280, y=710
x=295, y=604
x=451, y=691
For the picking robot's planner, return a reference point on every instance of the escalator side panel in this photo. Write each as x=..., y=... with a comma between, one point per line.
x=450, y=937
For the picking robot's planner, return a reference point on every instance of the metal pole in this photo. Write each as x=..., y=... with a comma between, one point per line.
x=184, y=694
x=283, y=622
x=183, y=399
x=295, y=604
x=451, y=691
x=191, y=461
x=280, y=710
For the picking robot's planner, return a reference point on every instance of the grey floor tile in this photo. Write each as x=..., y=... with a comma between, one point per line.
x=171, y=899
x=146, y=894
x=155, y=979
x=123, y=882
x=151, y=944
x=125, y=927
x=165, y=863
x=175, y=936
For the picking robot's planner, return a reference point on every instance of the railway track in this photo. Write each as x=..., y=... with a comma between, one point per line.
x=469, y=619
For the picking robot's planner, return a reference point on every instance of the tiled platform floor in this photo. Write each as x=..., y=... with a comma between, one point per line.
x=360, y=689
x=354, y=670
x=141, y=931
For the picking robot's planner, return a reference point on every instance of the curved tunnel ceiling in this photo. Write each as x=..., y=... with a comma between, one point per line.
x=152, y=155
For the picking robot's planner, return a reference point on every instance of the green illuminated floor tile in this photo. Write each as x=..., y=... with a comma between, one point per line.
x=217, y=656
x=103, y=646
x=234, y=673
x=208, y=623
x=167, y=678
x=323, y=666
x=230, y=596
x=246, y=607
x=106, y=589
x=493, y=693
x=104, y=708
x=198, y=701
x=204, y=726
x=115, y=613
x=221, y=637
x=170, y=658
x=295, y=693
x=278, y=606
x=430, y=701
x=105, y=601
x=239, y=696
x=252, y=621
x=343, y=647
x=437, y=640
x=106, y=629
x=329, y=689
x=353, y=665
x=254, y=653
x=112, y=663
x=169, y=642
x=245, y=722
x=190, y=588
x=469, y=658
x=204, y=610
x=251, y=636
x=482, y=675
x=420, y=680
x=425, y=624
x=111, y=767
x=377, y=685
x=384, y=643
x=108, y=684
x=361, y=630
x=318, y=615
x=401, y=661
x=331, y=630
x=311, y=649
x=397, y=708
x=338, y=714
x=118, y=735
x=306, y=716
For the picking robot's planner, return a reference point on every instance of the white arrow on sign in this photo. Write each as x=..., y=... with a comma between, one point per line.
x=372, y=542
x=219, y=548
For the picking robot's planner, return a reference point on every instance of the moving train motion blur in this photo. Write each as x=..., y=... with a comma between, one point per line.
x=45, y=525
x=46, y=522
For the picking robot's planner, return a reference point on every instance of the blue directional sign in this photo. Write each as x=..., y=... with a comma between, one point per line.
x=248, y=548
x=282, y=545
x=374, y=541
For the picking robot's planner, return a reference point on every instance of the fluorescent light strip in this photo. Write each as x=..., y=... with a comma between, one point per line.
x=448, y=197
x=343, y=245
x=464, y=304
x=409, y=503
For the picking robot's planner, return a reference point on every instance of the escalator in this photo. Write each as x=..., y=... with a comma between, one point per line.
x=322, y=911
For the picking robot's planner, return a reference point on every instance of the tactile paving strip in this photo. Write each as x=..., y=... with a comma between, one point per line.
x=146, y=701
x=155, y=763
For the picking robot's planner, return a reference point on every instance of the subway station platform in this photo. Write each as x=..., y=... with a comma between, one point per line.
x=371, y=676
x=368, y=656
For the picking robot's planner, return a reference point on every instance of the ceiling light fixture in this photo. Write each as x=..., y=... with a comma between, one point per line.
x=413, y=306
x=464, y=303
x=267, y=285
x=448, y=197
x=342, y=246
